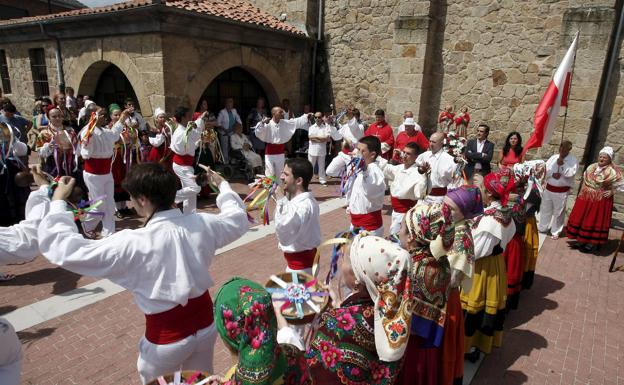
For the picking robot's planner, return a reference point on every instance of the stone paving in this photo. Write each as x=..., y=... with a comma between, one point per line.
x=568, y=329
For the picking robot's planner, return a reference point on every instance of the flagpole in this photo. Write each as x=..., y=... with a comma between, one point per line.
x=565, y=115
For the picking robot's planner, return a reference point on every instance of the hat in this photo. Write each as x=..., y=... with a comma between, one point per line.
x=158, y=111
x=607, y=151
x=468, y=199
x=113, y=107
x=409, y=122
x=500, y=184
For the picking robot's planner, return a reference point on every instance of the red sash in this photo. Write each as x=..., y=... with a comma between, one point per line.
x=274, y=149
x=183, y=160
x=402, y=205
x=300, y=260
x=98, y=166
x=369, y=221
x=557, y=189
x=180, y=322
x=438, y=192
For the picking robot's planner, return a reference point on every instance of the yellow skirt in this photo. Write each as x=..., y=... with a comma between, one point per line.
x=531, y=247
x=485, y=304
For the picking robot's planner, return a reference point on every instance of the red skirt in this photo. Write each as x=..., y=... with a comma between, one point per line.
x=420, y=365
x=451, y=353
x=590, y=221
x=514, y=262
x=118, y=170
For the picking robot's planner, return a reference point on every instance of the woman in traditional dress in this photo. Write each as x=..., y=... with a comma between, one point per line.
x=56, y=145
x=247, y=324
x=466, y=203
x=428, y=234
x=484, y=304
x=364, y=339
x=514, y=252
x=160, y=139
x=125, y=155
x=590, y=218
x=511, y=153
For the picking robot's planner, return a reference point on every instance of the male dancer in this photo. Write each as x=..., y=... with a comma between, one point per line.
x=275, y=132
x=297, y=223
x=165, y=264
x=97, y=145
x=365, y=197
x=183, y=144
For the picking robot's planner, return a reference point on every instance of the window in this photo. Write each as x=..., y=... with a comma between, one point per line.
x=4, y=73
x=39, y=72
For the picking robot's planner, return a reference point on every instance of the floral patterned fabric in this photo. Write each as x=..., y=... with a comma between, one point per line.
x=245, y=320
x=597, y=180
x=343, y=348
x=461, y=256
x=500, y=184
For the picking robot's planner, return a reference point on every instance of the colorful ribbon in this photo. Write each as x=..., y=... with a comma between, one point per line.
x=296, y=294
x=347, y=176
x=261, y=192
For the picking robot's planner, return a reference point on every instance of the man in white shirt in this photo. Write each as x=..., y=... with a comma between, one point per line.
x=407, y=185
x=164, y=264
x=227, y=119
x=351, y=134
x=96, y=148
x=183, y=144
x=275, y=132
x=297, y=223
x=319, y=134
x=439, y=167
x=365, y=197
x=560, y=172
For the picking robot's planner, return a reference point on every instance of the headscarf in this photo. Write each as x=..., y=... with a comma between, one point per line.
x=500, y=184
x=384, y=268
x=113, y=107
x=431, y=226
x=245, y=321
x=607, y=151
x=468, y=199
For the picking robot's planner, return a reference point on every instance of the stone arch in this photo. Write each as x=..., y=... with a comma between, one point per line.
x=90, y=68
x=257, y=65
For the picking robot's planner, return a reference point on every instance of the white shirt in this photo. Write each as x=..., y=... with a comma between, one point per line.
x=224, y=119
x=368, y=190
x=237, y=141
x=297, y=223
x=490, y=233
x=182, y=145
x=480, y=144
x=134, y=119
x=567, y=171
x=406, y=183
x=353, y=131
x=70, y=102
x=158, y=140
x=280, y=133
x=323, y=131
x=163, y=264
x=442, y=167
x=18, y=243
x=102, y=142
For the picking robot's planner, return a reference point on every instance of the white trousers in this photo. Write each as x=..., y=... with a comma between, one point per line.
x=273, y=165
x=101, y=186
x=320, y=160
x=552, y=212
x=10, y=354
x=338, y=164
x=195, y=352
x=397, y=218
x=188, y=193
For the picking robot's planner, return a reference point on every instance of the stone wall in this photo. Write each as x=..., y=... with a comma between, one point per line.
x=139, y=57
x=282, y=73
x=299, y=13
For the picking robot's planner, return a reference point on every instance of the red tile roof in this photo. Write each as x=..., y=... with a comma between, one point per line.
x=236, y=10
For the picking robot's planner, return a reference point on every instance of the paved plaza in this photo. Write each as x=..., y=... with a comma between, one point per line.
x=569, y=328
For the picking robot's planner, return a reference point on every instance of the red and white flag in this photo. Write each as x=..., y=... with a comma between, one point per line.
x=556, y=96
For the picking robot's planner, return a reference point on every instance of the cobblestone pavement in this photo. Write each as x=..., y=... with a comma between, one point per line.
x=568, y=329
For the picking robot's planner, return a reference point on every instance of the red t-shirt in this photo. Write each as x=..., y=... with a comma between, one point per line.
x=403, y=138
x=384, y=133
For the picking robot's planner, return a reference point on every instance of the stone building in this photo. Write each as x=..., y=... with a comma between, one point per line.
x=163, y=54
x=494, y=56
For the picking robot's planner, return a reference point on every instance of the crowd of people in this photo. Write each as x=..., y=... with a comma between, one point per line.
x=412, y=302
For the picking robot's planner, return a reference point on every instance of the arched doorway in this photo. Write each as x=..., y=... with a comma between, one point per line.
x=238, y=84
x=113, y=87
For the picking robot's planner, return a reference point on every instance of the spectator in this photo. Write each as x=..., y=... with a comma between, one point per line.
x=479, y=153
x=227, y=119
x=512, y=152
